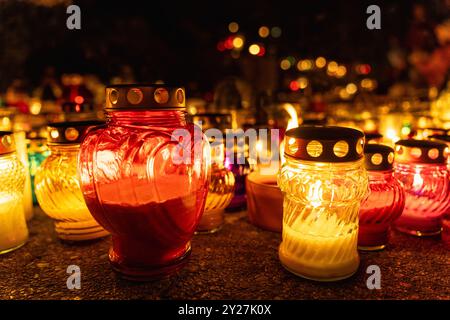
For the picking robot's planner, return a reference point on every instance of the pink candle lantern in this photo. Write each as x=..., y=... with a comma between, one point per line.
x=420, y=166
x=385, y=202
x=446, y=216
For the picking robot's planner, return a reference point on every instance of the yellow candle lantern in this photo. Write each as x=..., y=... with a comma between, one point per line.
x=57, y=184
x=13, y=228
x=323, y=181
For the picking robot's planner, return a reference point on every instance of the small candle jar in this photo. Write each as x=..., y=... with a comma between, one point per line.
x=323, y=181
x=420, y=166
x=426, y=133
x=385, y=202
x=13, y=227
x=221, y=184
x=140, y=185
x=57, y=184
x=240, y=171
x=37, y=153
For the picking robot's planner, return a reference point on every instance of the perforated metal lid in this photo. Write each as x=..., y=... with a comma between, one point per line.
x=70, y=132
x=378, y=157
x=324, y=144
x=420, y=151
x=144, y=96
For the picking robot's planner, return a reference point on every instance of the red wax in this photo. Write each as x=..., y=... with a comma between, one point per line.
x=383, y=206
x=426, y=197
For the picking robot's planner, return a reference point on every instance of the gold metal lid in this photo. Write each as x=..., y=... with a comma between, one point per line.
x=7, y=144
x=378, y=157
x=420, y=152
x=144, y=96
x=70, y=132
x=324, y=144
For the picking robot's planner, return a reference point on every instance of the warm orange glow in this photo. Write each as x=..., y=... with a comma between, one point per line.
x=254, y=49
x=263, y=32
x=321, y=62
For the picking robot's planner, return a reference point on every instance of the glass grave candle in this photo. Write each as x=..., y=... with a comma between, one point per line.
x=37, y=153
x=420, y=165
x=135, y=184
x=446, y=217
x=57, y=184
x=13, y=227
x=385, y=202
x=323, y=181
x=221, y=185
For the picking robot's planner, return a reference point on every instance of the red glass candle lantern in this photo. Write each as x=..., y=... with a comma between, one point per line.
x=136, y=186
x=420, y=166
x=385, y=202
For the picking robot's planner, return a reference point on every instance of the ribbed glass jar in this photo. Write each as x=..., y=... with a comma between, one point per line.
x=421, y=168
x=385, y=202
x=136, y=186
x=57, y=185
x=321, y=201
x=220, y=193
x=13, y=227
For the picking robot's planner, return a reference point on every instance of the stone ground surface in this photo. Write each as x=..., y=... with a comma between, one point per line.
x=239, y=262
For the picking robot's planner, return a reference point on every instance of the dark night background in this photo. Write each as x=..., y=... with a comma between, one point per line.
x=176, y=41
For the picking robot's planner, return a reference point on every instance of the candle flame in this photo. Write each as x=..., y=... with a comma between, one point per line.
x=292, y=123
x=315, y=194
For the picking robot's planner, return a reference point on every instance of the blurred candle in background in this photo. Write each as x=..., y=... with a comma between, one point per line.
x=13, y=227
x=420, y=165
x=37, y=153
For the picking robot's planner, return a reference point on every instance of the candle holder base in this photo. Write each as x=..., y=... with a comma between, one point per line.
x=13, y=248
x=372, y=238
x=148, y=273
x=79, y=231
x=418, y=233
x=372, y=248
x=332, y=279
x=211, y=222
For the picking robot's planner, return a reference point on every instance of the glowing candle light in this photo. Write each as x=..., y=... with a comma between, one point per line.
x=57, y=185
x=13, y=228
x=385, y=202
x=420, y=165
x=323, y=181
